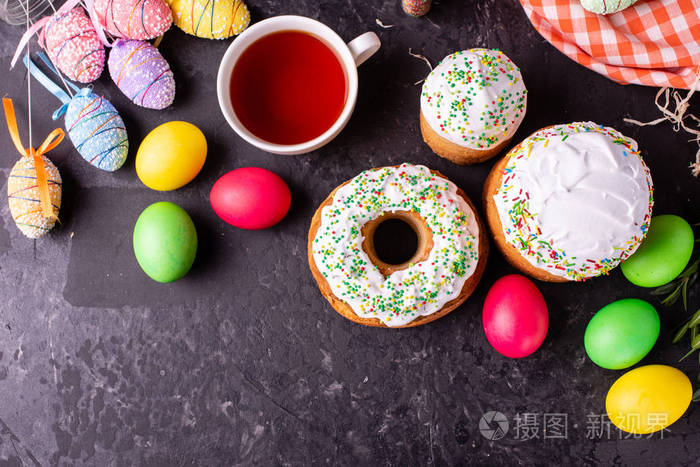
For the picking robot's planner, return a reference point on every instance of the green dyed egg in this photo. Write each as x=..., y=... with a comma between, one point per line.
x=663, y=254
x=621, y=333
x=165, y=241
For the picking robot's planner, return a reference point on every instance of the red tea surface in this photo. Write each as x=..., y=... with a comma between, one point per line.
x=288, y=87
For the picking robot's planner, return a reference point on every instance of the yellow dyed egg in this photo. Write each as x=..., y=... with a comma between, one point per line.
x=171, y=155
x=648, y=399
x=210, y=19
x=25, y=200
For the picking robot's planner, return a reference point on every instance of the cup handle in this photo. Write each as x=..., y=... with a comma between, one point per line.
x=364, y=46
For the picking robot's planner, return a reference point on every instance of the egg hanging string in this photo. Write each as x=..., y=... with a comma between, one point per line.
x=46, y=60
x=64, y=9
x=51, y=141
x=14, y=12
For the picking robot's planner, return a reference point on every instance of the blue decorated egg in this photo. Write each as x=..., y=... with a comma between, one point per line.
x=97, y=131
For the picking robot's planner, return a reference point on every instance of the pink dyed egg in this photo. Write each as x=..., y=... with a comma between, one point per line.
x=141, y=72
x=251, y=198
x=72, y=43
x=515, y=316
x=134, y=19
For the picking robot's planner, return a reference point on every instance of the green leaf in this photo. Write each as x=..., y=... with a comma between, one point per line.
x=681, y=332
x=695, y=340
x=664, y=289
x=692, y=280
x=687, y=355
x=696, y=395
x=685, y=295
x=672, y=298
x=694, y=320
x=691, y=269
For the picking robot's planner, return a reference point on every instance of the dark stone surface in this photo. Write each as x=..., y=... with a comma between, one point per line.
x=243, y=361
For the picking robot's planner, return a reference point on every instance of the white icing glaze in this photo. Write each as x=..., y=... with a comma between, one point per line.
x=575, y=199
x=419, y=290
x=474, y=98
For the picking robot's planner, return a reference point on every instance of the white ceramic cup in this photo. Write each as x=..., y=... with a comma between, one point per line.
x=351, y=55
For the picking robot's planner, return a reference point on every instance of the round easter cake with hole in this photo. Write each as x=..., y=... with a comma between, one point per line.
x=448, y=263
x=570, y=202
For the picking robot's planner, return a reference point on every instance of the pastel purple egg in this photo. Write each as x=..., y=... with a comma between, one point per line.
x=142, y=74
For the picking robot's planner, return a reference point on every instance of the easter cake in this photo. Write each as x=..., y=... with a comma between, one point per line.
x=442, y=273
x=570, y=202
x=471, y=105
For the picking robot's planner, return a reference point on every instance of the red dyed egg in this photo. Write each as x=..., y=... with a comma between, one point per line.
x=251, y=198
x=515, y=316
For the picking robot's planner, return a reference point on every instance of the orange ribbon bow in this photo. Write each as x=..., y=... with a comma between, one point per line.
x=51, y=141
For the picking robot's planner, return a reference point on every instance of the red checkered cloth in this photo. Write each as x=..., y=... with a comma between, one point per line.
x=653, y=42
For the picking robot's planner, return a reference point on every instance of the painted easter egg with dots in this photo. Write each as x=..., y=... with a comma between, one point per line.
x=25, y=200
x=133, y=19
x=210, y=20
x=97, y=130
x=73, y=45
x=142, y=74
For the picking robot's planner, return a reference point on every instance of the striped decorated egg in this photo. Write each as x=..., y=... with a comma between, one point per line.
x=24, y=199
x=133, y=19
x=72, y=43
x=210, y=20
x=142, y=74
x=97, y=131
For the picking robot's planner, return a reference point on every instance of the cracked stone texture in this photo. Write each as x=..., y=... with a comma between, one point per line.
x=243, y=361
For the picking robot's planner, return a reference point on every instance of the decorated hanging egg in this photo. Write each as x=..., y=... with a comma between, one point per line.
x=621, y=333
x=663, y=254
x=648, y=399
x=142, y=74
x=171, y=155
x=251, y=198
x=515, y=316
x=97, y=131
x=73, y=45
x=133, y=19
x=25, y=200
x=603, y=7
x=165, y=241
x=210, y=20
